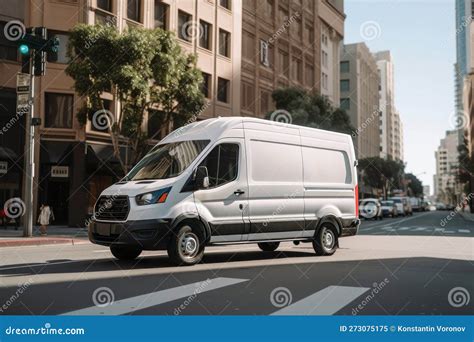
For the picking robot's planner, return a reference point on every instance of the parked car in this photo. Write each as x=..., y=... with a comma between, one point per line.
x=232, y=180
x=415, y=204
x=440, y=206
x=403, y=207
x=370, y=208
x=389, y=209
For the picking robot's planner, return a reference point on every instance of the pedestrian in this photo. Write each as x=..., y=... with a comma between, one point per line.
x=46, y=215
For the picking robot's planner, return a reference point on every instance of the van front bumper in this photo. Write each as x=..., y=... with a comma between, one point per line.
x=146, y=234
x=350, y=227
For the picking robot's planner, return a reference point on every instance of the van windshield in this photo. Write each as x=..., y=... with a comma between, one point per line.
x=167, y=161
x=396, y=200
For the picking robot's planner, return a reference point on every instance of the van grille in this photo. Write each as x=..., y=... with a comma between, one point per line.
x=112, y=208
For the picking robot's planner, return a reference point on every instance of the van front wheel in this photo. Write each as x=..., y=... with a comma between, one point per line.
x=325, y=242
x=125, y=252
x=185, y=247
x=268, y=246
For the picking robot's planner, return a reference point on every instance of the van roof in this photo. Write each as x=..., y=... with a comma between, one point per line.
x=214, y=128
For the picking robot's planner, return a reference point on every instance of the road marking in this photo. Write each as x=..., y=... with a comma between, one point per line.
x=449, y=232
x=464, y=231
x=404, y=228
x=419, y=229
x=127, y=305
x=328, y=301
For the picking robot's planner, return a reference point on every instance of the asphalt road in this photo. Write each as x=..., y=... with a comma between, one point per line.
x=380, y=272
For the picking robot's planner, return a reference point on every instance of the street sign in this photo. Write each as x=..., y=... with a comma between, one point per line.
x=23, y=83
x=22, y=102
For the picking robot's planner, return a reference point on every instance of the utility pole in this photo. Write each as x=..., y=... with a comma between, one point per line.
x=34, y=46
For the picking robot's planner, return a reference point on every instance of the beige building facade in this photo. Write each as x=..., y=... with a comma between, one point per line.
x=359, y=87
x=209, y=28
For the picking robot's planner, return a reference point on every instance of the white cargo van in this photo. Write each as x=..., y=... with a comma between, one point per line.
x=230, y=181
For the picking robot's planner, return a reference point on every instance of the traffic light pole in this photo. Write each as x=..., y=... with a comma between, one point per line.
x=29, y=159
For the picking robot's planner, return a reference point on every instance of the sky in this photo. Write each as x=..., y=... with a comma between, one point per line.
x=421, y=37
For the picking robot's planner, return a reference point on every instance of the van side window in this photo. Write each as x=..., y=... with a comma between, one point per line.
x=222, y=164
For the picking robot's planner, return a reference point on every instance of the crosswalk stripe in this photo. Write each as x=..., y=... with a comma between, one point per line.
x=131, y=304
x=328, y=301
x=465, y=231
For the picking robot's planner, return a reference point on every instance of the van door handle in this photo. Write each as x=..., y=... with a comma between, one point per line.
x=239, y=192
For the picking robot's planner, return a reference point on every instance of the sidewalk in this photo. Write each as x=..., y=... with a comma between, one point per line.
x=56, y=235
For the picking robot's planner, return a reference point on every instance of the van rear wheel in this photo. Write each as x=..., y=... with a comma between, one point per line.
x=185, y=247
x=325, y=242
x=125, y=252
x=268, y=246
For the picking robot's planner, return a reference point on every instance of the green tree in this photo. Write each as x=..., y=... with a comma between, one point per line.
x=145, y=70
x=310, y=109
x=379, y=173
x=415, y=186
x=466, y=171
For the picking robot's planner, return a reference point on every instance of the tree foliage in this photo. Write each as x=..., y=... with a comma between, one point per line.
x=379, y=173
x=415, y=186
x=311, y=109
x=145, y=70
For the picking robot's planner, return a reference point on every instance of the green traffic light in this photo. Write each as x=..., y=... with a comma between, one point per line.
x=24, y=49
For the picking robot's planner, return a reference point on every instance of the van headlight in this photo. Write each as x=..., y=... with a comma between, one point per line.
x=154, y=197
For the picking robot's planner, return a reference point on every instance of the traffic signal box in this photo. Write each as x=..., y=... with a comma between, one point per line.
x=35, y=46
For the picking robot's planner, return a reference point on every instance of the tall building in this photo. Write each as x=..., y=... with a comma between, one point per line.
x=75, y=163
x=445, y=184
x=289, y=43
x=397, y=145
x=387, y=101
x=360, y=97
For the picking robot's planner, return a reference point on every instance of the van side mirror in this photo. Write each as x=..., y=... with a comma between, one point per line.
x=201, y=178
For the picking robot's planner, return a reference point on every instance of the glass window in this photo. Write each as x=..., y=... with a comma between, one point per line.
x=345, y=85
x=224, y=43
x=223, y=90
x=205, y=37
x=206, y=85
x=161, y=15
x=346, y=104
x=185, y=26
x=134, y=10
x=106, y=5
x=167, y=161
x=345, y=66
x=222, y=164
x=8, y=48
x=61, y=55
x=58, y=110
x=225, y=3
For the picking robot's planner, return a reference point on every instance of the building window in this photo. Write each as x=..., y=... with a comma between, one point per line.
x=283, y=63
x=61, y=55
x=105, y=5
x=161, y=15
x=58, y=110
x=224, y=43
x=345, y=67
x=324, y=80
x=324, y=39
x=223, y=90
x=205, y=36
x=297, y=70
x=345, y=85
x=226, y=4
x=248, y=97
x=265, y=102
x=134, y=10
x=184, y=25
x=248, y=45
x=264, y=53
x=324, y=59
x=8, y=48
x=345, y=104
x=206, y=85
x=309, y=34
x=309, y=75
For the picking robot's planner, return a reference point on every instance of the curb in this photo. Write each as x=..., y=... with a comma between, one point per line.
x=41, y=241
